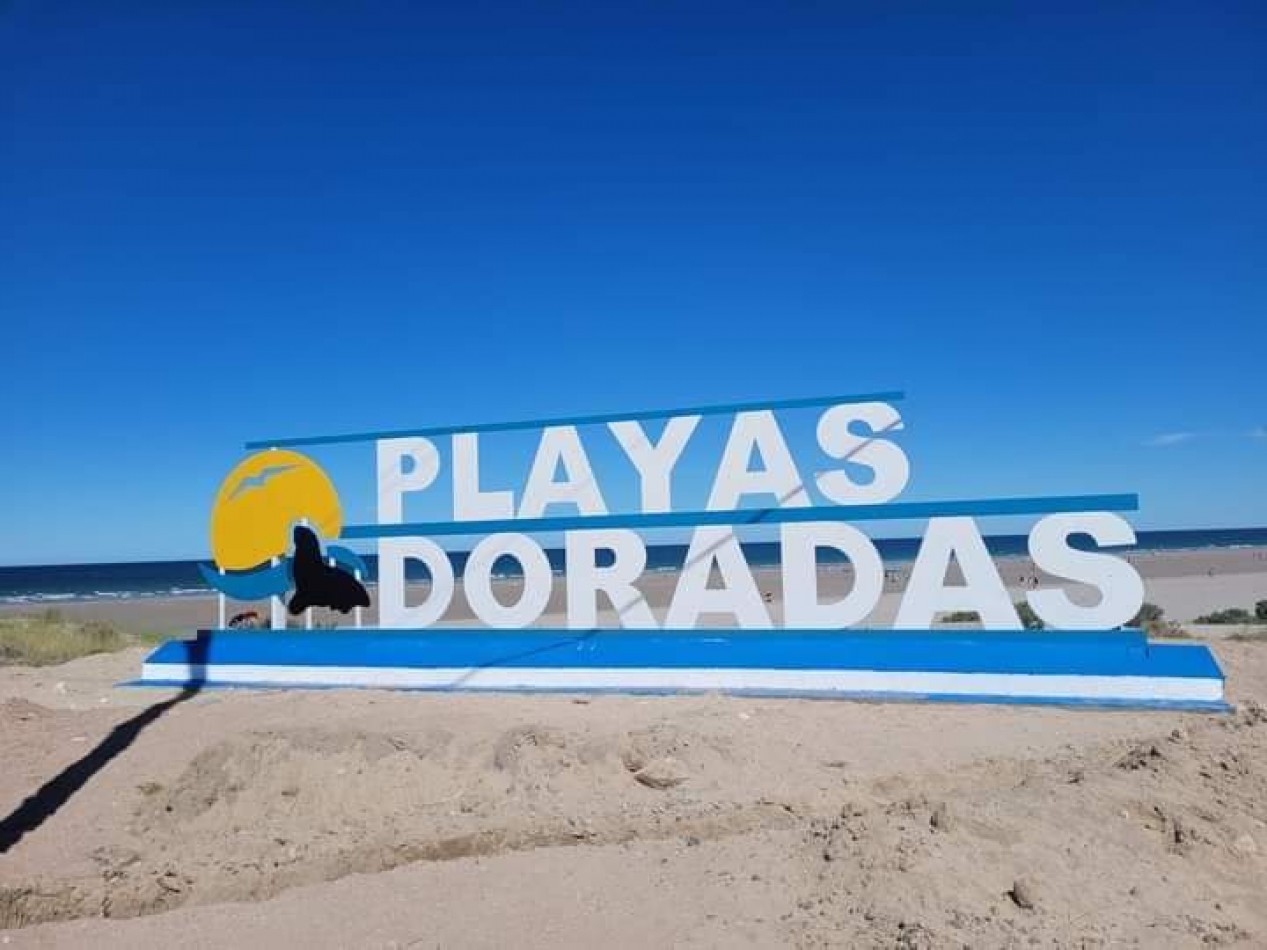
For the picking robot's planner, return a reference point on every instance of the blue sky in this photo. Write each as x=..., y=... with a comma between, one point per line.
x=221, y=221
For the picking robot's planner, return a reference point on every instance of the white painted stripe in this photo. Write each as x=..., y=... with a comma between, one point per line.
x=1021, y=686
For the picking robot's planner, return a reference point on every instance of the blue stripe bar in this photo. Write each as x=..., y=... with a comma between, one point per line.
x=979, y=507
x=1096, y=653
x=803, y=403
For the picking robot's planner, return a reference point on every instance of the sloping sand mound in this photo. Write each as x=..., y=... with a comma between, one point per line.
x=262, y=811
x=1079, y=847
x=809, y=823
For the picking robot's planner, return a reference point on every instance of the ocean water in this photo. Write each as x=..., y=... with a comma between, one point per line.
x=49, y=585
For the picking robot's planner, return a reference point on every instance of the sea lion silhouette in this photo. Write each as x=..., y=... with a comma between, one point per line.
x=317, y=584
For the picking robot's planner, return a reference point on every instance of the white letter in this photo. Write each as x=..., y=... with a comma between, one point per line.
x=392, y=609
x=798, y=548
x=477, y=580
x=1121, y=590
x=885, y=459
x=394, y=481
x=561, y=444
x=585, y=578
x=469, y=502
x=756, y=430
x=982, y=591
x=655, y=462
x=738, y=594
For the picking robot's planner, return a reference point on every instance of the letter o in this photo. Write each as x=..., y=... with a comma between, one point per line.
x=477, y=580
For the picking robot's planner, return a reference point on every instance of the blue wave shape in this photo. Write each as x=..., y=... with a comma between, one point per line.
x=258, y=584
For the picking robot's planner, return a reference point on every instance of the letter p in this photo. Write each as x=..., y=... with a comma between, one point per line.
x=404, y=465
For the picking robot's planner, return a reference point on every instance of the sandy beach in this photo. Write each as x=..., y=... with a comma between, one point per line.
x=380, y=819
x=1186, y=584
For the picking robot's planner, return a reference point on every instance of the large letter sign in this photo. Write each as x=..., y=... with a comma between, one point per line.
x=556, y=592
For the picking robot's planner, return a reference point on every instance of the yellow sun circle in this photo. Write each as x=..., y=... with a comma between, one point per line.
x=261, y=500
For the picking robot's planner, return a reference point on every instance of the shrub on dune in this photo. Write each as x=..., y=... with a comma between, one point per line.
x=48, y=639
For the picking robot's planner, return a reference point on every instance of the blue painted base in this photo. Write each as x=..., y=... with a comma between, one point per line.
x=1105, y=668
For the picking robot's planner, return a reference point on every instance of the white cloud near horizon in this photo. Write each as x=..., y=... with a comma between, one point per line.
x=1178, y=438
x=1171, y=438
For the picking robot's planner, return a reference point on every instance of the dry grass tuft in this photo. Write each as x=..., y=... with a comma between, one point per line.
x=48, y=638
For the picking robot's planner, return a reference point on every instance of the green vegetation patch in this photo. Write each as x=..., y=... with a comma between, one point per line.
x=1029, y=619
x=1234, y=615
x=49, y=638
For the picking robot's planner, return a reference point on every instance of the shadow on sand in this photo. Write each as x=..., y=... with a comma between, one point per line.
x=38, y=807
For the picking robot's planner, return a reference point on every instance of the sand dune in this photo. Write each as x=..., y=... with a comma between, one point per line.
x=385, y=819
x=363, y=818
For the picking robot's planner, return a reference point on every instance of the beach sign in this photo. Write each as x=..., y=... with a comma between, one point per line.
x=278, y=535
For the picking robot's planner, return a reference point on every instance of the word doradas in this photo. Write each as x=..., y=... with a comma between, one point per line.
x=756, y=461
